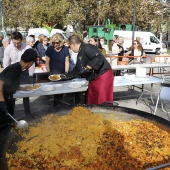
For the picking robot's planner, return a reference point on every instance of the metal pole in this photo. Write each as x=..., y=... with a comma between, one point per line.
x=134, y=20
x=2, y=13
x=98, y=19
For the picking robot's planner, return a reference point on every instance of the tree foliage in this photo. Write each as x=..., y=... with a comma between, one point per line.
x=35, y=13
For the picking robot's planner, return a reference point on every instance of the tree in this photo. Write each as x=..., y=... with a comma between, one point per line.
x=35, y=13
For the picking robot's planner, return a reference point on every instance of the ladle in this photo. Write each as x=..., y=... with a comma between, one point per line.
x=20, y=125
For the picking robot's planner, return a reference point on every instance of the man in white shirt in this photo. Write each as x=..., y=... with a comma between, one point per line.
x=12, y=54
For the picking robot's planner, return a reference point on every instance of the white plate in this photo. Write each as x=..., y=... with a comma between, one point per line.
x=58, y=85
x=75, y=85
x=80, y=81
x=47, y=88
x=115, y=81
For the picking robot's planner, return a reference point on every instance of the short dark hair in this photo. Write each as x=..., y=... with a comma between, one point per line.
x=74, y=39
x=116, y=36
x=16, y=36
x=29, y=55
x=31, y=35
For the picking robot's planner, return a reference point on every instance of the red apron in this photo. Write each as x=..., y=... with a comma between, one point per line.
x=100, y=89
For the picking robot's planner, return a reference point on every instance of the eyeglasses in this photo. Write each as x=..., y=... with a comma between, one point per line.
x=17, y=43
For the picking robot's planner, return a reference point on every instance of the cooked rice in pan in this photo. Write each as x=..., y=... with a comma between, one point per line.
x=82, y=140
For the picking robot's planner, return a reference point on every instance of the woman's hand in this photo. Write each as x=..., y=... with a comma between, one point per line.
x=44, y=58
x=127, y=54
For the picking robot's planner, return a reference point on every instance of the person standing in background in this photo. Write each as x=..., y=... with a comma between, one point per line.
x=115, y=37
x=31, y=41
x=163, y=50
x=117, y=48
x=104, y=45
x=5, y=43
x=57, y=61
x=42, y=48
x=94, y=40
x=135, y=50
x=1, y=38
x=12, y=54
x=57, y=56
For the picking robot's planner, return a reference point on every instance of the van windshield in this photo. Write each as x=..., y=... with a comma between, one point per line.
x=154, y=40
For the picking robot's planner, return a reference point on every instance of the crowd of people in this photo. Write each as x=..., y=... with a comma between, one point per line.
x=19, y=60
x=73, y=57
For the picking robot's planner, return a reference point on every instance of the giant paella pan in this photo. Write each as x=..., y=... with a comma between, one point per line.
x=88, y=138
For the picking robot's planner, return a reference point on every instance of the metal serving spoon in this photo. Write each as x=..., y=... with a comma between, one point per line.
x=20, y=125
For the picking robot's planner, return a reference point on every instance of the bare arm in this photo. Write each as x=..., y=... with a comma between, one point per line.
x=6, y=59
x=67, y=64
x=47, y=64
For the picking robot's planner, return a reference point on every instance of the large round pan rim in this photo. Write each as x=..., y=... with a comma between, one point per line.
x=7, y=135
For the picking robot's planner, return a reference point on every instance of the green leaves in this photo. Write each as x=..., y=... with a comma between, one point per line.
x=35, y=13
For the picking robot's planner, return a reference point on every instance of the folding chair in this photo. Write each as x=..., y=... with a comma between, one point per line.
x=164, y=95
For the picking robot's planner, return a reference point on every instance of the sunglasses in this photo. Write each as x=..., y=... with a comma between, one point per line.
x=56, y=42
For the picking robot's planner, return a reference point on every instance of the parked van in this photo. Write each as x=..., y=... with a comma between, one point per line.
x=38, y=31
x=149, y=41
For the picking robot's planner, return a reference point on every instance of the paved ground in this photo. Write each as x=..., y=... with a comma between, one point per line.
x=125, y=96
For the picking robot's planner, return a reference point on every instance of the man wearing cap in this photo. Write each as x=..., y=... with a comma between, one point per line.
x=10, y=79
x=5, y=43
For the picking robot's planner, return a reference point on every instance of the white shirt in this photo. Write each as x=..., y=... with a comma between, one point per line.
x=137, y=53
x=12, y=54
x=115, y=49
x=105, y=46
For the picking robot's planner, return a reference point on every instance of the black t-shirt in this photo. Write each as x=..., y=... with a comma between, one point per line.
x=11, y=78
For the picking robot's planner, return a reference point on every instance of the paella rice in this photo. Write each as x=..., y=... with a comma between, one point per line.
x=55, y=77
x=82, y=140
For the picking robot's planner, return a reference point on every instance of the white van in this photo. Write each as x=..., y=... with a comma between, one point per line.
x=149, y=41
x=38, y=31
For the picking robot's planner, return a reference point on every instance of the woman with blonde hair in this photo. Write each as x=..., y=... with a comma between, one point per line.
x=57, y=56
x=117, y=48
x=57, y=61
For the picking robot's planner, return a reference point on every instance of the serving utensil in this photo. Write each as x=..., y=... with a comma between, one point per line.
x=20, y=125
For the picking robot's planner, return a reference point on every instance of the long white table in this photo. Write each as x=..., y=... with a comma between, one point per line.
x=118, y=81
x=121, y=81
x=57, y=90
x=133, y=66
